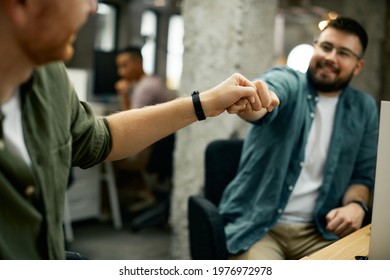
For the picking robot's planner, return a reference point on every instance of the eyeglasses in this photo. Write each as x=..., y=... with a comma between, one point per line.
x=342, y=53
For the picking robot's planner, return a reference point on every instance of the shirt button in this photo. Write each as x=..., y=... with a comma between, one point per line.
x=301, y=164
x=316, y=99
x=29, y=191
x=309, y=97
x=280, y=210
x=290, y=188
x=312, y=115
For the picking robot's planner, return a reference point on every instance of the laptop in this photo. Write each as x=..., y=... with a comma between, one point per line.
x=379, y=248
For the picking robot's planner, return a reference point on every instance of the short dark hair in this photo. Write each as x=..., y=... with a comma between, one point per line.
x=350, y=26
x=132, y=50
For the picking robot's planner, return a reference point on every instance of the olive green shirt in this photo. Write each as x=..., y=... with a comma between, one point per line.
x=59, y=132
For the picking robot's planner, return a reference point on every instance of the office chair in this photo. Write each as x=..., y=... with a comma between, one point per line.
x=206, y=227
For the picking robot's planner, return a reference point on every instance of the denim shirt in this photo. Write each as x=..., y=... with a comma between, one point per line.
x=59, y=132
x=273, y=155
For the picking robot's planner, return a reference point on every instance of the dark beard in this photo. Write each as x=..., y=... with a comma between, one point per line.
x=326, y=86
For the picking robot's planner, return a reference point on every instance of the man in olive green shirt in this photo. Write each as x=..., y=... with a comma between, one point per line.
x=45, y=129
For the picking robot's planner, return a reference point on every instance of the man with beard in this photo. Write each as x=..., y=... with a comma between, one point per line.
x=307, y=169
x=45, y=129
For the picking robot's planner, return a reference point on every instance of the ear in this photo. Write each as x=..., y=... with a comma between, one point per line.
x=17, y=10
x=358, y=67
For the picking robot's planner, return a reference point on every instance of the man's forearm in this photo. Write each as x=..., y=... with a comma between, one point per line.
x=136, y=129
x=357, y=192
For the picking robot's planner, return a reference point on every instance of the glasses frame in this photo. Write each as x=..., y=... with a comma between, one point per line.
x=340, y=52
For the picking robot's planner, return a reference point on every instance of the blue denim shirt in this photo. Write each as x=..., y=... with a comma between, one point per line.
x=274, y=149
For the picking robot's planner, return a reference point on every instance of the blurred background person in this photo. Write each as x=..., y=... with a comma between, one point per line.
x=136, y=89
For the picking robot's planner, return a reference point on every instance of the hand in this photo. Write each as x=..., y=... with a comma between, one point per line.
x=236, y=90
x=216, y=100
x=268, y=101
x=345, y=220
x=122, y=87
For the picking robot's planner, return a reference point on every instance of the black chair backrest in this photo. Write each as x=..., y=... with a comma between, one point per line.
x=221, y=163
x=161, y=158
x=206, y=230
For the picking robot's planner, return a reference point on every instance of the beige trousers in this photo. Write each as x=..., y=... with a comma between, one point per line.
x=285, y=241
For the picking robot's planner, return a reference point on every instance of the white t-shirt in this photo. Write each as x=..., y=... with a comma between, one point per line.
x=12, y=128
x=302, y=201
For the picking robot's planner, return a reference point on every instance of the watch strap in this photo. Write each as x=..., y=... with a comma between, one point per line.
x=198, y=106
x=362, y=204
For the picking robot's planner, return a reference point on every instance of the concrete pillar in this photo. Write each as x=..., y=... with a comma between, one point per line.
x=221, y=38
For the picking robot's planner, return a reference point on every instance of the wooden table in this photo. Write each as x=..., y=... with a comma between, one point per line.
x=355, y=244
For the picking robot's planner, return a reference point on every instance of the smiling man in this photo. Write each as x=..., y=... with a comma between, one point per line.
x=45, y=129
x=307, y=169
x=338, y=57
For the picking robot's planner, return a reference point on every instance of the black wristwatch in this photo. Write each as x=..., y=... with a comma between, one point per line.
x=362, y=204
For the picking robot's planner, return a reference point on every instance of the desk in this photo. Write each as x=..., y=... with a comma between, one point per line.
x=83, y=198
x=355, y=244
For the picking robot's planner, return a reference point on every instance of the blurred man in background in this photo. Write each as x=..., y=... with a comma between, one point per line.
x=136, y=89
